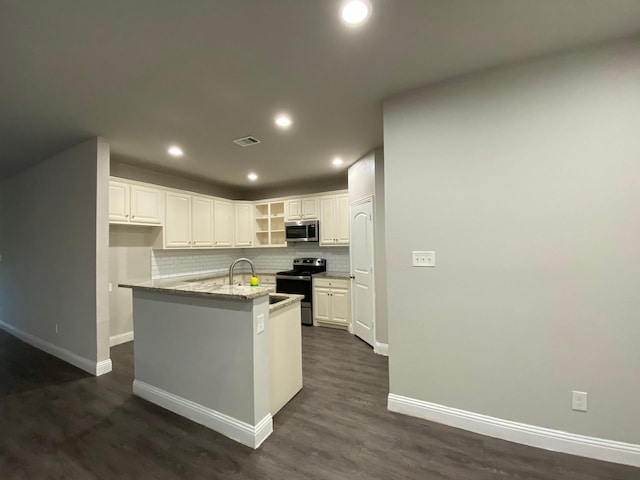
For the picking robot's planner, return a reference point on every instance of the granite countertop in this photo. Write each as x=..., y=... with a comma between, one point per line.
x=291, y=299
x=205, y=287
x=342, y=275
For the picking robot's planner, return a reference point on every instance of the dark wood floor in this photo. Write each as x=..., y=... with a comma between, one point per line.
x=58, y=422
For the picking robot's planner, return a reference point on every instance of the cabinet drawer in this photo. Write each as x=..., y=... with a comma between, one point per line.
x=331, y=282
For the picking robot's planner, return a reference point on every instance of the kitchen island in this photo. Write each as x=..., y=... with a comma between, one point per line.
x=215, y=354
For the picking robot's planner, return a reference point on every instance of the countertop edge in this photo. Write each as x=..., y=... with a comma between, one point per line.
x=223, y=292
x=293, y=298
x=336, y=275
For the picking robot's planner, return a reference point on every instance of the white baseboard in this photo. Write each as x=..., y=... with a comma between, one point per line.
x=90, y=366
x=556, y=440
x=381, y=349
x=103, y=367
x=249, y=435
x=121, y=338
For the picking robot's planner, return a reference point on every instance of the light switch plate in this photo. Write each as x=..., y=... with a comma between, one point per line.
x=110, y=287
x=423, y=259
x=260, y=327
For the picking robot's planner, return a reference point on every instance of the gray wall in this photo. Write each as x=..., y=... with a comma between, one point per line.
x=366, y=179
x=141, y=174
x=525, y=183
x=52, y=233
x=301, y=187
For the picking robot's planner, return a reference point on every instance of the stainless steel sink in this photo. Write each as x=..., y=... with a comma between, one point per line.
x=276, y=299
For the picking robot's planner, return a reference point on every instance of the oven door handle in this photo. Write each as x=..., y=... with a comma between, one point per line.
x=293, y=277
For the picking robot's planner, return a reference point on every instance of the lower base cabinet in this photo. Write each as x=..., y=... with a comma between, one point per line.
x=331, y=303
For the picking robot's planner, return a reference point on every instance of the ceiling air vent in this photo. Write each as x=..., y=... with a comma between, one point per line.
x=246, y=141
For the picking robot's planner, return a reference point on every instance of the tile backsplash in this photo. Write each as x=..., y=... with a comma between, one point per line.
x=173, y=263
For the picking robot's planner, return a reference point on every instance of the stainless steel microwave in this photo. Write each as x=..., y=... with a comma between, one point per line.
x=302, y=231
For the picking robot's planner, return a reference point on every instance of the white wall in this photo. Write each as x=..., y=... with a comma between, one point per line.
x=525, y=183
x=129, y=262
x=53, y=233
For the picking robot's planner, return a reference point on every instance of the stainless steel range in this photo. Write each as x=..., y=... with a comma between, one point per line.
x=298, y=281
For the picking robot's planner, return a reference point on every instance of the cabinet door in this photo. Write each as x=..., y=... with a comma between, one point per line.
x=243, y=225
x=222, y=224
x=327, y=220
x=118, y=202
x=177, y=229
x=341, y=220
x=340, y=306
x=294, y=210
x=201, y=222
x=310, y=208
x=322, y=304
x=146, y=205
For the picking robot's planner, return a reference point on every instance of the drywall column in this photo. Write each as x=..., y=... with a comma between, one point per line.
x=54, y=237
x=525, y=183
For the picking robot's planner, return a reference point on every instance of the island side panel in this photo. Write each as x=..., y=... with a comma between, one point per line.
x=197, y=348
x=285, y=355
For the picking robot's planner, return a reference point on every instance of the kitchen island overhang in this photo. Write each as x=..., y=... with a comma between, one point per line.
x=205, y=354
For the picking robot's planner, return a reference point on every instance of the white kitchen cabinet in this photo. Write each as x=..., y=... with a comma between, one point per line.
x=334, y=220
x=223, y=221
x=331, y=303
x=189, y=221
x=119, y=204
x=305, y=208
x=134, y=204
x=243, y=234
x=177, y=229
x=146, y=205
x=201, y=222
x=269, y=224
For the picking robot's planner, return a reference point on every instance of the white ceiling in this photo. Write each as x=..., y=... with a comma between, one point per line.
x=147, y=73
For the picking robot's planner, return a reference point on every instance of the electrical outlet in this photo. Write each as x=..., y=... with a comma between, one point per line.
x=579, y=401
x=423, y=259
x=260, y=327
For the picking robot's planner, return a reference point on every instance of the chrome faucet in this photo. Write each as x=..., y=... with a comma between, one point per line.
x=253, y=272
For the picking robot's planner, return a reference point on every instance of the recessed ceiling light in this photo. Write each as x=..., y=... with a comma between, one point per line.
x=283, y=121
x=337, y=162
x=355, y=12
x=252, y=176
x=175, y=151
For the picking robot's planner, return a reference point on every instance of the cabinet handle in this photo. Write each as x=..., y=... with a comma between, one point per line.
x=133, y=216
x=126, y=215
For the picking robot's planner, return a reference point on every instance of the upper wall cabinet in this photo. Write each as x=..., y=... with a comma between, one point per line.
x=188, y=222
x=134, y=204
x=202, y=222
x=177, y=228
x=223, y=217
x=243, y=233
x=269, y=224
x=305, y=208
x=334, y=220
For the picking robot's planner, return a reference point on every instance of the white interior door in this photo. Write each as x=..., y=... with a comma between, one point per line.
x=362, y=270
